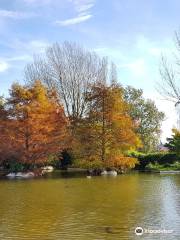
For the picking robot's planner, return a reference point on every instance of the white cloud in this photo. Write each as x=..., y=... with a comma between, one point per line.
x=83, y=5
x=73, y=21
x=3, y=66
x=15, y=14
x=6, y=63
x=82, y=8
x=21, y=53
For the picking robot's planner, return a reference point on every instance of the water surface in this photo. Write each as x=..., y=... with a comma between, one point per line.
x=100, y=208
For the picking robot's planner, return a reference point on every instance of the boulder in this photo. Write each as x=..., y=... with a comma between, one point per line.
x=21, y=175
x=104, y=172
x=11, y=175
x=47, y=169
x=110, y=173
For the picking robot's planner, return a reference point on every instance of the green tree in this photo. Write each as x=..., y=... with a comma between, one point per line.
x=147, y=117
x=173, y=143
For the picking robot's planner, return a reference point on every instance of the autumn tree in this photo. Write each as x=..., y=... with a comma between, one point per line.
x=35, y=124
x=146, y=116
x=107, y=132
x=4, y=139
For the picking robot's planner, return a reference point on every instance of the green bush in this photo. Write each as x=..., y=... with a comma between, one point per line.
x=15, y=167
x=161, y=167
x=88, y=164
x=160, y=158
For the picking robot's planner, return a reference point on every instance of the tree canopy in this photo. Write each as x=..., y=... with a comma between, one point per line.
x=107, y=131
x=70, y=69
x=147, y=117
x=173, y=143
x=34, y=125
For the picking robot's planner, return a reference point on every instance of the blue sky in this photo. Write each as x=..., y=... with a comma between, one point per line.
x=133, y=33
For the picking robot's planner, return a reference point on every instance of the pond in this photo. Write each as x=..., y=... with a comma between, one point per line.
x=59, y=207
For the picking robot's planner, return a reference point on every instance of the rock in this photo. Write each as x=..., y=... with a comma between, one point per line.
x=104, y=172
x=112, y=173
x=11, y=175
x=88, y=177
x=21, y=175
x=47, y=169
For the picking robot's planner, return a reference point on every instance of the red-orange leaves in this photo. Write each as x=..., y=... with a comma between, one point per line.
x=35, y=124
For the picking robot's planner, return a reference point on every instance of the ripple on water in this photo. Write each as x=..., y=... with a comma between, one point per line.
x=99, y=209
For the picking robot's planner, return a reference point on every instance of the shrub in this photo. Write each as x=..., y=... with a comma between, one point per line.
x=96, y=164
x=15, y=167
x=158, y=158
x=161, y=167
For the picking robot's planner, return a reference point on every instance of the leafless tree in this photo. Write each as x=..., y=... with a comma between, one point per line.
x=71, y=70
x=113, y=74
x=170, y=86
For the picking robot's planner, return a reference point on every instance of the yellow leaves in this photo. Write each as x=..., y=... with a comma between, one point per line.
x=88, y=164
x=19, y=92
x=120, y=161
x=107, y=132
x=176, y=132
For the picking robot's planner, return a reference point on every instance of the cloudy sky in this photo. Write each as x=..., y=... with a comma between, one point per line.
x=133, y=33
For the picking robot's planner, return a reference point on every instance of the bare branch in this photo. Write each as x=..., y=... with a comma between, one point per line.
x=71, y=70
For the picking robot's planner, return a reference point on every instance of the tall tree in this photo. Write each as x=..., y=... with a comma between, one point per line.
x=107, y=132
x=35, y=124
x=71, y=70
x=4, y=139
x=147, y=117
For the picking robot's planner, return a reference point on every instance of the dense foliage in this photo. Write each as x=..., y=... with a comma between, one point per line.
x=173, y=143
x=75, y=111
x=161, y=158
x=147, y=117
x=32, y=125
x=107, y=131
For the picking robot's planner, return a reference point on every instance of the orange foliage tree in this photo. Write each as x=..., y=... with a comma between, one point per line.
x=5, y=149
x=34, y=125
x=107, y=132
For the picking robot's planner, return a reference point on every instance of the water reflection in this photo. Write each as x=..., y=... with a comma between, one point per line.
x=98, y=208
